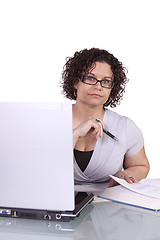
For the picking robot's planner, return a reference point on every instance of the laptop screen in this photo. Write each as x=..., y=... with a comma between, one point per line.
x=36, y=156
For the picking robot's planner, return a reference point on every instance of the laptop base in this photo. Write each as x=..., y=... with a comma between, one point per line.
x=81, y=200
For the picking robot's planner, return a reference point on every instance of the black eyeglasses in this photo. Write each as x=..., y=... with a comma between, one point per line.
x=106, y=83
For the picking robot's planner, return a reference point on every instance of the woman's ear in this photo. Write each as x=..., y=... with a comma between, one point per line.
x=75, y=86
x=75, y=89
x=75, y=93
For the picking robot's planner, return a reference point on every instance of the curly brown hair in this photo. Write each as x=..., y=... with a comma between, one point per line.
x=81, y=63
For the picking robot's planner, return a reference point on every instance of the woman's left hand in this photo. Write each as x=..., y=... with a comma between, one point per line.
x=122, y=175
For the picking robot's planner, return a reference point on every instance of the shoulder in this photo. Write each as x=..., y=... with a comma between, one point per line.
x=126, y=131
x=114, y=116
x=125, y=126
x=111, y=116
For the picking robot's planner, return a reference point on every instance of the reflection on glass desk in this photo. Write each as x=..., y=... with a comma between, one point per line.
x=98, y=221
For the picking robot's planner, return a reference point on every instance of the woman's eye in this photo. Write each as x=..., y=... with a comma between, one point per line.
x=106, y=81
x=90, y=78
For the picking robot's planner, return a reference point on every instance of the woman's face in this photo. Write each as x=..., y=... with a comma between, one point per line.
x=95, y=95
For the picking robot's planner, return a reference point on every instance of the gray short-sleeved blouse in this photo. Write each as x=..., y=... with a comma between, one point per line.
x=108, y=156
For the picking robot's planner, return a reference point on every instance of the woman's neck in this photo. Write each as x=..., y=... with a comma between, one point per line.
x=84, y=112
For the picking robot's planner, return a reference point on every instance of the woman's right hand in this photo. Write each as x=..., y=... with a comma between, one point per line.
x=90, y=126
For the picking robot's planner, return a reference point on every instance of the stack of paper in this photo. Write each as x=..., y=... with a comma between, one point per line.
x=144, y=194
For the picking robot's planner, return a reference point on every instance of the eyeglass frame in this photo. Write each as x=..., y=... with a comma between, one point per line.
x=100, y=81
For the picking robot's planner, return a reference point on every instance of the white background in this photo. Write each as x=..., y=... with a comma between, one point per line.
x=37, y=35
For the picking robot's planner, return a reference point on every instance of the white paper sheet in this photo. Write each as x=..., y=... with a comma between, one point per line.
x=148, y=187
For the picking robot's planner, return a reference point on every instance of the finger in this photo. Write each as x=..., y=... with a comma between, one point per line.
x=101, y=131
x=98, y=134
x=93, y=126
x=101, y=124
x=133, y=179
x=130, y=179
x=113, y=183
x=98, y=129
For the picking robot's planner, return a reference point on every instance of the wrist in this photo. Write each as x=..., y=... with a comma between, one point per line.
x=75, y=136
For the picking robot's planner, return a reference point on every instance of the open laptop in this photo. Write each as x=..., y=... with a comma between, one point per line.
x=36, y=162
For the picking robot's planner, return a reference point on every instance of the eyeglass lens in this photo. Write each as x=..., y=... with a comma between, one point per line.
x=107, y=83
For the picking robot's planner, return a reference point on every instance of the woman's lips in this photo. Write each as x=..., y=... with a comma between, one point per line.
x=95, y=95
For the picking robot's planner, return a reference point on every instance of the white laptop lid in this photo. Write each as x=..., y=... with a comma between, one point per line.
x=36, y=156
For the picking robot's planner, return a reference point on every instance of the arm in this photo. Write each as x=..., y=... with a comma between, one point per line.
x=136, y=166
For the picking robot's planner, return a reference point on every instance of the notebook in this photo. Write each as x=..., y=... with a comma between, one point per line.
x=36, y=159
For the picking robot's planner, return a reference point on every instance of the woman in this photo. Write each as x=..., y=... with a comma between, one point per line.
x=96, y=79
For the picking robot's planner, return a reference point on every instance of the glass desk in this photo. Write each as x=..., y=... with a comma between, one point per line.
x=98, y=221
